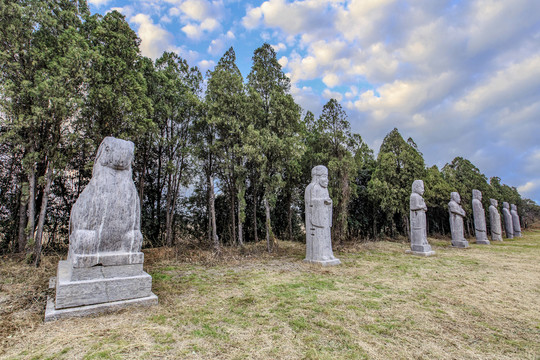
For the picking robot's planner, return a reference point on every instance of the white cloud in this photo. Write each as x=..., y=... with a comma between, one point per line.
x=127, y=11
x=530, y=189
x=206, y=64
x=253, y=18
x=283, y=61
x=154, y=39
x=279, y=47
x=331, y=80
x=98, y=3
x=217, y=46
x=328, y=94
x=363, y=19
x=505, y=85
x=293, y=18
x=461, y=78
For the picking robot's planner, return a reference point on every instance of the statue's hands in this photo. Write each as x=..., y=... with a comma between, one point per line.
x=328, y=202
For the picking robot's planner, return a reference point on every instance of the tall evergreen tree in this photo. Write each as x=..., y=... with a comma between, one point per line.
x=277, y=124
x=227, y=113
x=398, y=165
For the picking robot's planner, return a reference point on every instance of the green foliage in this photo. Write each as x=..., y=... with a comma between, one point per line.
x=398, y=165
x=69, y=78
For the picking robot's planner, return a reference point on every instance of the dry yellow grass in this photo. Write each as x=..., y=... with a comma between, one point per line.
x=477, y=303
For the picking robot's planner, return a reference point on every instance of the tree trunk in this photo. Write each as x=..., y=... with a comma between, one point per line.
x=233, y=216
x=289, y=216
x=407, y=228
x=344, y=206
x=268, y=224
x=22, y=220
x=374, y=223
x=255, y=232
x=42, y=212
x=168, y=217
x=240, y=229
x=241, y=199
x=215, y=239
x=158, y=234
x=31, y=209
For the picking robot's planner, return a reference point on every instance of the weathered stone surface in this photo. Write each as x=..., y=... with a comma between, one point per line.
x=495, y=221
x=52, y=314
x=319, y=219
x=104, y=268
x=479, y=218
x=515, y=220
x=105, y=220
x=508, y=226
x=418, y=208
x=100, y=289
x=456, y=221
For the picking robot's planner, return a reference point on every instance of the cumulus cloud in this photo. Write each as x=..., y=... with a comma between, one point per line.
x=154, y=39
x=279, y=47
x=200, y=16
x=98, y=3
x=329, y=94
x=206, y=64
x=294, y=18
x=218, y=46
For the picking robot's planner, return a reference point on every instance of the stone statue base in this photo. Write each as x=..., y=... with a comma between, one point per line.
x=420, y=253
x=85, y=291
x=460, y=243
x=332, y=262
x=483, y=242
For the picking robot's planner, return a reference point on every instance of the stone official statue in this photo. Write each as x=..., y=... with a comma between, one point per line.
x=456, y=221
x=419, y=244
x=495, y=221
x=319, y=219
x=479, y=218
x=515, y=220
x=508, y=226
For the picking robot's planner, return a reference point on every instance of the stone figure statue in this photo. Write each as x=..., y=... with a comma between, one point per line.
x=104, y=268
x=515, y=220
x=508, y=226
x=419, y=244
x=319, y=219
x=105, y=221
x=456, y=221
x=479, y=218
x=495, y=221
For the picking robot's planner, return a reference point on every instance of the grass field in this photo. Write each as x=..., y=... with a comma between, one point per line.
x=477, y=303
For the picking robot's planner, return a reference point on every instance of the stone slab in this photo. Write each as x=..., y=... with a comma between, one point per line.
x=96, y=291
x=460, y=244
x=421, y=248
x=52, y=314
x=106, y=272
x=332, y=262
x=482, y=242
x=107, y=259
x=420, y=253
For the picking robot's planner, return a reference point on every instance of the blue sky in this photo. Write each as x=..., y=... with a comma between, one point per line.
x=462, y=78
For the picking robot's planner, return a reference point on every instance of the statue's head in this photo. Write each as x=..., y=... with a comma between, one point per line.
x=319, y=174
x=493, y=202
x=418, y=187
x=115, y=153
x=455, y=197
x=513, y=207
x=476, y=194
x=506, y=205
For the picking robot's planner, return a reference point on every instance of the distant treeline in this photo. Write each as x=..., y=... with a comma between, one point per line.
x=220, y=160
